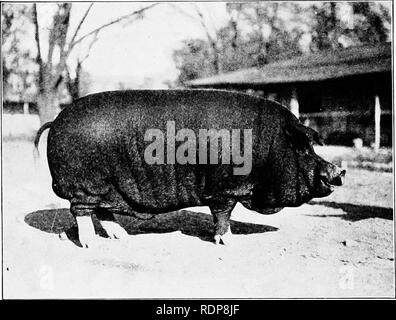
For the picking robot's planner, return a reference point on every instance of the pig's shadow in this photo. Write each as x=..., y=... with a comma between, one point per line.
x=190, y=223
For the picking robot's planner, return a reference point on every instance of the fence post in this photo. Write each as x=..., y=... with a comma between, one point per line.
x=377, y=119
x=26, y=108
x=294, y=107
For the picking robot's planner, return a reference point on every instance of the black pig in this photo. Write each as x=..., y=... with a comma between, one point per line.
x=97, y=153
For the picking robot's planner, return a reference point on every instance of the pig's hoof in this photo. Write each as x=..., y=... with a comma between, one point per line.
x=225, y=238
x=86, y=232
x=114, y=230
x=63, y=236
x=88, y=241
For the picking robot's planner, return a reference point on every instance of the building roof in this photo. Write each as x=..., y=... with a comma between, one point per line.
x=314, y=67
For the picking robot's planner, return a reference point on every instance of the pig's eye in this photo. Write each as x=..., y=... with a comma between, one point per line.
x=304, y=145
x=306, y=149
x=303, y=151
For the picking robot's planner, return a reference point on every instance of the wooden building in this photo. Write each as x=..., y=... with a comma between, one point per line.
x=344, y=94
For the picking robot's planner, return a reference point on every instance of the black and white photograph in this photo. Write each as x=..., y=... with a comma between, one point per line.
x=197, y=150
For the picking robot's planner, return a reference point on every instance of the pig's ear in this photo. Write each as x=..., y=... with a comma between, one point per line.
x=318, y=139
x=297, y=137
x=301, y=136
x=313, y=135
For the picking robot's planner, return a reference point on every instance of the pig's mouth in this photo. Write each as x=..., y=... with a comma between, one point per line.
x=326, y=184
x=329, y=184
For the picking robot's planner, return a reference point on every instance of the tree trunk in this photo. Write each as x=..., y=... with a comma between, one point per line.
x=216, y=60
x=48, y=106
x=73, y=85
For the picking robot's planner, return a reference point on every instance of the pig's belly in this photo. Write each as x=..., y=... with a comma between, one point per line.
x=159, y=189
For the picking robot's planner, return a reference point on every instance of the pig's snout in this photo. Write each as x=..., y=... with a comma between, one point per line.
x=338, y=180
x=333, y=176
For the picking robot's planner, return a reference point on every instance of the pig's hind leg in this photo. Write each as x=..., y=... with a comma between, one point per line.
x=110, y=225
x=98, y=201
x=86, y=230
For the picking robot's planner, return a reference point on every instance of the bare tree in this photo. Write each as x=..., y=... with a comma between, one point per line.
x=211, y=34
x=234, y=10
x=73, y=84
x=16, y=60
x=51, y=74
x=255, y=34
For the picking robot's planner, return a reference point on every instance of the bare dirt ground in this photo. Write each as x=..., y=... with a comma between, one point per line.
x=339, y=246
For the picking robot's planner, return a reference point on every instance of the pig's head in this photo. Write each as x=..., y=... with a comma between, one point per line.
x=294, y=173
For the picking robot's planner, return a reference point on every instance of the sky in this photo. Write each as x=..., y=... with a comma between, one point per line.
x=142, y=49
x=133, y=53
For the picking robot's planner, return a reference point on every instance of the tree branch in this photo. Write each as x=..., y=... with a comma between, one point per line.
x=200, y=19
x=64, y=27
x=203, y=24
x=39, y=60
x=137, y=12
x=36, y=34
x=212, y=42
x=73, y=42
x=177, y=8
x=61, y=29
x=95, y=38
x=81, y=23
x=51, y=43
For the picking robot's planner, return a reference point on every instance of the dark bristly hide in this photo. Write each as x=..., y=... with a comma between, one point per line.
x=96, y=155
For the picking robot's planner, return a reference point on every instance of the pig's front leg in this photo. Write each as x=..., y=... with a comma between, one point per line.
x=221, y=209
